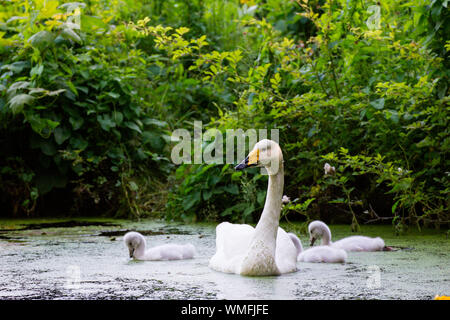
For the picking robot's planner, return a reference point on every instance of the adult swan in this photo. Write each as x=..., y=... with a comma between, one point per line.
x=265, y=250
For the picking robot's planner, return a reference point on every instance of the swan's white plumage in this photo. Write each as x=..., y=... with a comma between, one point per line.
x=319, y=230
x=233, y=242
x=325, y=254
x=266, y=249
x=137, y=246
x=297, y=243
x=360, y=243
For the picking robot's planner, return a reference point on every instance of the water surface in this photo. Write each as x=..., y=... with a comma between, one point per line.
x=86, y=259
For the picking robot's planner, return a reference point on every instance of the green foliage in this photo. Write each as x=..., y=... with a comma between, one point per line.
x=210, y=192
x=369, y=90
x=78, y=96
x=360, y=85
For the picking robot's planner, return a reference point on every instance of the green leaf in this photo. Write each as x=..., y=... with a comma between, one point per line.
x=248, y=210
x=41, y=125
x=41, y=39
x=261, y=196
x=378, y=104
x=17, y=103
x=17, y=86
x=61, y=134
x=133, y=126
x=69, y=34
x=48, y=148
x=113, y=95
x=78, y=143
x=190, y=200
x=91, y=23
x=236, y=208
x=232, y=188
x=37, y=70
x=117, y=116
x=76, y=122
x=154, y=139
x=158, y=123
x=46, y=181
x=207, y=194
x=133, y=186
x=106, y=122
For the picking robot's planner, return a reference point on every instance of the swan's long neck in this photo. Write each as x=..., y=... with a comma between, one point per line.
x=260, y=259
x=326, y=236
x=267, y=226
x=139, y=252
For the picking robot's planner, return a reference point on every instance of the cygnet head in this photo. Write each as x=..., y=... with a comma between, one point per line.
x=318, y=230
x=135, y=243
x=266, y=153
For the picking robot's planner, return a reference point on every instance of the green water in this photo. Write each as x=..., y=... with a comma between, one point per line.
x=81, y=261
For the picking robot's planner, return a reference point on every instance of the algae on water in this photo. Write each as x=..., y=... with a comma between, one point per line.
x=88, y=260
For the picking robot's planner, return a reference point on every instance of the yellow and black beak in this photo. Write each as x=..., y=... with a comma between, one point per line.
x=252, y=160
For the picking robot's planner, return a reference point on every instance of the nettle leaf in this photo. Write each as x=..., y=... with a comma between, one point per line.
x=48, y=148
x=41, y=39
x=248, y=210
x=118, y=117
x=78, y=143
x=37, y=90
x=232, y=188
x=61, y=134
x=56, y=92
x=37, y=70
x=133, y=186
x=17, y=103
x=378, y=104
x=76, y=122
x=91, y=23
x=16, y=67
x=236, y=208
x=133, y=126
x=154, y=139
x=113, y=95
x=106, y=122
x=207, y=194
x=17, y=86
x=190, y=200
x=154, y=122
x=69, y=34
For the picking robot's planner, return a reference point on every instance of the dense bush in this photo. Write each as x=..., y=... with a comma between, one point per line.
x=86, y=114
x=74, y=111
x=371, y=100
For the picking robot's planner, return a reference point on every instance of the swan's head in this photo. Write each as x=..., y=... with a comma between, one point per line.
x=134, y=241
x=266, y=153
x=318, y=229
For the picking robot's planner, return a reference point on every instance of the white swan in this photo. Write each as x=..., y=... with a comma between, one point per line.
x=266, y=249
x=136, y=245
x=325, y=254
x=319, y=230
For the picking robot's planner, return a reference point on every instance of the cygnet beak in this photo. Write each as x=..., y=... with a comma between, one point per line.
x=312, y=239
x=131, y=252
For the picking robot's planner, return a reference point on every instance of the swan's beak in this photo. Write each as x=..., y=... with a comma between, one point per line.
x=131, y=252
x=252, y=160
x=312, y=241
x=242, y=165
